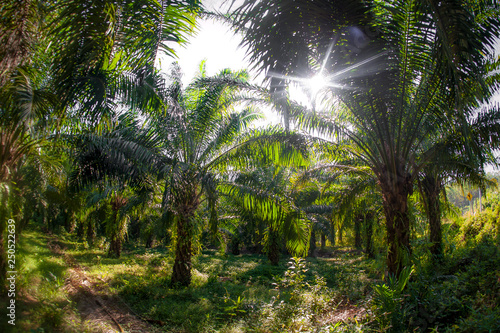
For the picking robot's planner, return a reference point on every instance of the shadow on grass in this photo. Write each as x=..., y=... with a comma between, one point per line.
x=223, y=288
x=40, y=275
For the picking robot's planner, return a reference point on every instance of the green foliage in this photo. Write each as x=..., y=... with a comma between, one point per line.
x=388, y=301
x=485, y=225
x=461, y=295
x=295, y=275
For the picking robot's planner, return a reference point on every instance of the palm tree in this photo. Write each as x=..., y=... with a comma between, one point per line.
x=393, y=92
x=20, y=27
x=264, y=195
x=206, y=137
x=25, y=105
x=105, y=52
x=187, y=145
x=453, y=164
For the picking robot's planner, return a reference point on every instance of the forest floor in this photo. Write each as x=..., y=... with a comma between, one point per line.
x=66, y=287
x=99, y=310
x=63, y=285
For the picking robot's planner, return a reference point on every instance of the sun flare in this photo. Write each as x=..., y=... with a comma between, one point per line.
x=317, y=82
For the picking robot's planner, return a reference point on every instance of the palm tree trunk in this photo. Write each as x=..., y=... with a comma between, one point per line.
x=117, y=228
x=369, y=235
x=273, y=251
x=115, y=244
x=91, y=232
x=333, y=233
x=431, y=189
x=181, y=274
x=312, y=244
x=185, y=203
x=395, y=191
x=357, y=231
x=150, y=240
x=435, y=227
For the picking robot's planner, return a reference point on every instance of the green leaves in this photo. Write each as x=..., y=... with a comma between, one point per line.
x=98, y=46
x=388, y=299
x=263, y=195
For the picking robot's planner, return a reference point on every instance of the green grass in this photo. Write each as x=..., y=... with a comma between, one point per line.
x=41, y=302
x=245, y=293
x=228, y=293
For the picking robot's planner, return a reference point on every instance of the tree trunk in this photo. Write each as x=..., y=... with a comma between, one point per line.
x=91, y=232
x=117, y=226
x=369, y=235
x=235, y=245
x=312, y=244
x=273, y=251
x=395, y=191
x=150, y=240
x=323, y=241
x=358, y=219
x=115, y=247
x=115, y=244
x=181, y=274
x=185, y=201
x=333, y=233
x=432, y=188
x=340, y=236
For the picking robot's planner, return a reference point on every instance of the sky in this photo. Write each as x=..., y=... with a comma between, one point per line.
x=215, y=43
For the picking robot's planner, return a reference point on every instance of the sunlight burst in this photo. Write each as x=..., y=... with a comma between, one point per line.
x=317, y=82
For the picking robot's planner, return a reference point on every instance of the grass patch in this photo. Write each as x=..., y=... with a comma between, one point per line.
x=41, y=302
x=245, y=293
x=228, y=293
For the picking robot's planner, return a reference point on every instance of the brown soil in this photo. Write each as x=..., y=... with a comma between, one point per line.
x=343, y=313
x=102, y=312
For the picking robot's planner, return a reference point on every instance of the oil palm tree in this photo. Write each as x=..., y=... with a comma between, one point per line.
x=106, y=51
x=207, y=137
x=453, y=164
x=25, y=105
x=392, y=95
x=266, y=195
x=195, y=138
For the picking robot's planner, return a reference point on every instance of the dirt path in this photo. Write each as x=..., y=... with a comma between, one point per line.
x=99, y=311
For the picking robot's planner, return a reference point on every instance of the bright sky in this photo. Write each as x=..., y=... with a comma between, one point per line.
x=219, y=47
x=214, y=43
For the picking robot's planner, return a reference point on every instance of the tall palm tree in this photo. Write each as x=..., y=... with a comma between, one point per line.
x=394, y=90
x=25, y=106
x=207, y=136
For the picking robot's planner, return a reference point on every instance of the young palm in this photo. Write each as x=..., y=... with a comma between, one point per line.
x=264, y=195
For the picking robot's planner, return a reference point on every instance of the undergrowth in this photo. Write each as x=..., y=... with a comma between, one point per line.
x=244, y=293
